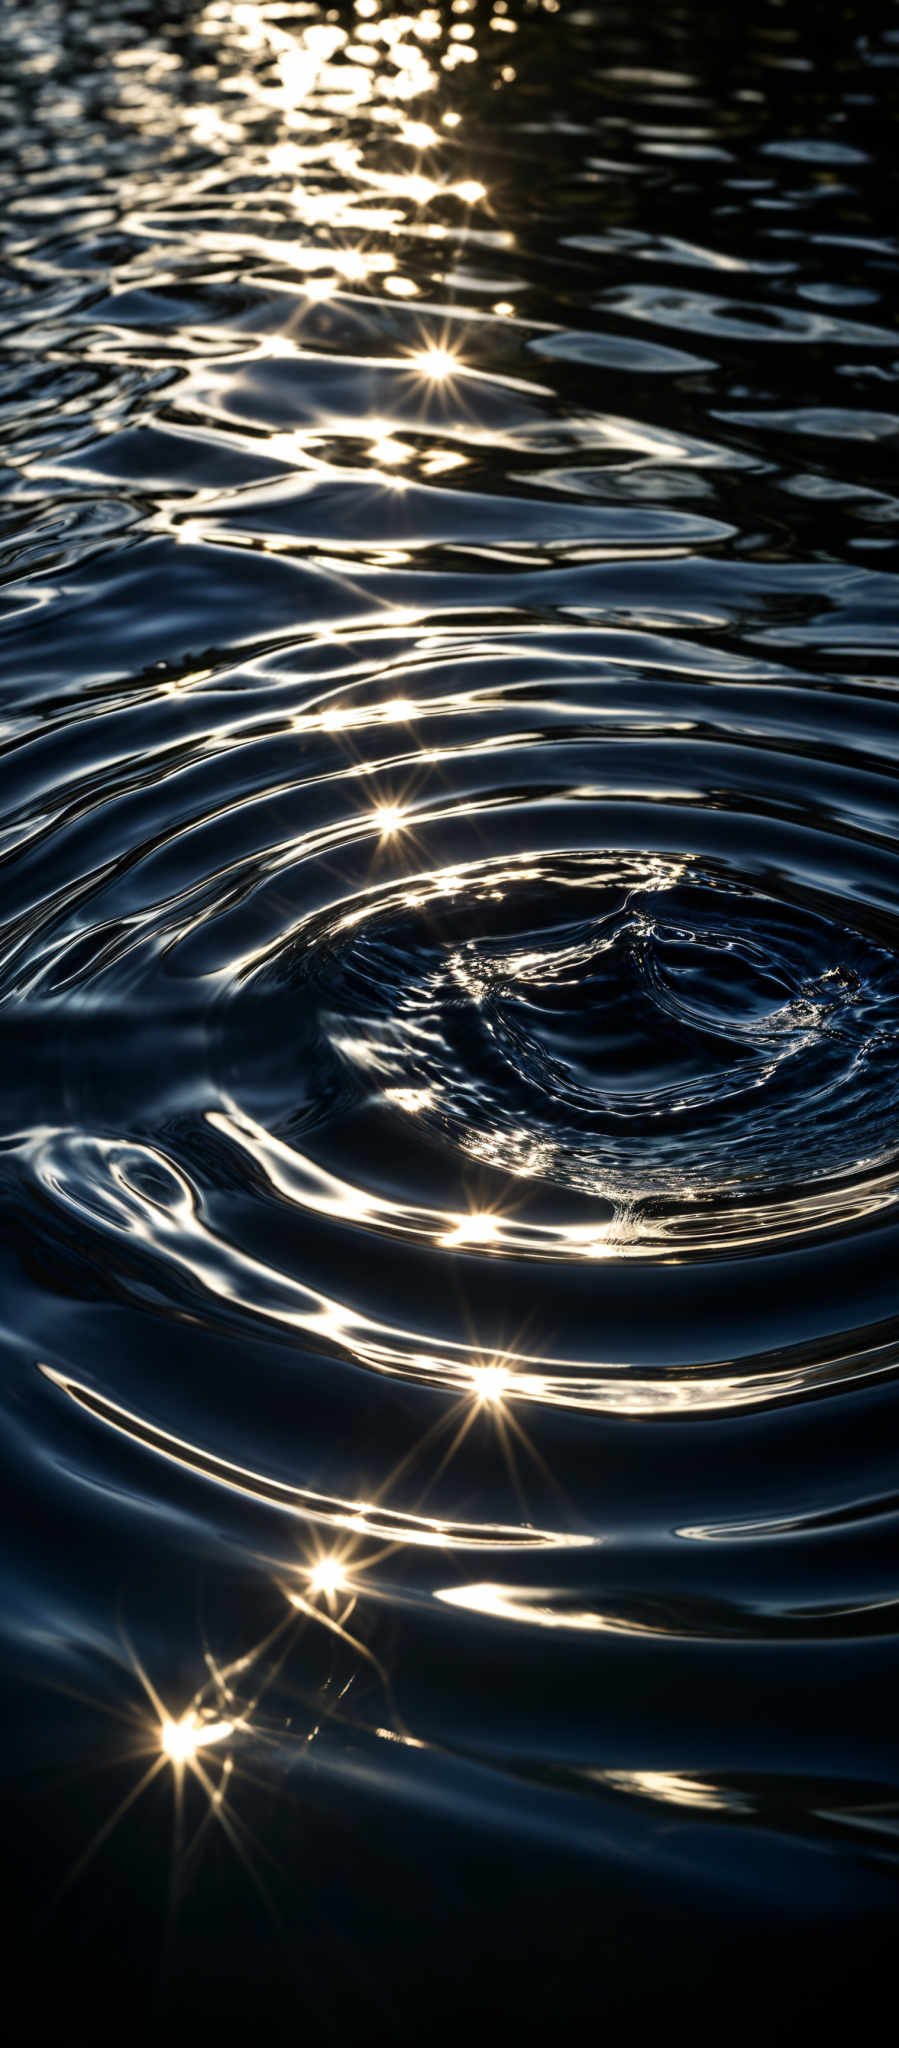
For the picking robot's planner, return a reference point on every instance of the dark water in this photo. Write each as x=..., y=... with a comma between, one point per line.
x=449, y=997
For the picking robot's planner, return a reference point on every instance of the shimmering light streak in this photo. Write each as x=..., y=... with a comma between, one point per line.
x=477, y=1228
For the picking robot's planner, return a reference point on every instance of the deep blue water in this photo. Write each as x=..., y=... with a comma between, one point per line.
x=449, y=1001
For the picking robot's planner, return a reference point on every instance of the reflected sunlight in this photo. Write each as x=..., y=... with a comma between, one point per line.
x=491, y=1384
x=327, y=1576
x=180, y=1740
x=477, y=1228
x=389, y=451
x=435, y=362
x=414, y=1100
x=388, y=818
x=532, y=1605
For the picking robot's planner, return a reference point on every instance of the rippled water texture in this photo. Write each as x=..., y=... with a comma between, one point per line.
x=449, y=996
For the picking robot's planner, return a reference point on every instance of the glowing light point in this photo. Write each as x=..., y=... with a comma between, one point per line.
x=413, y=1100
x=352, y=265
x=388, y=451
x=491, y=1383
x=435, y=362
x=327, y=1576
x=418, y=134
x=180, y=1740
x=389, y=818
x=478, y=1228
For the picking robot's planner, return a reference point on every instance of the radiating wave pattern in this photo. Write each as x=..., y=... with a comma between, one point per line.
x=449, y=939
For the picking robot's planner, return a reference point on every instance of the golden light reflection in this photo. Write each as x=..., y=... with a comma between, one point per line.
x=349, y=716
x=400, y=287
x=435, y=362
x=281, y=77
x=491, y=1384
x=479, y=1227
x=672, y=1788
x=352, y=265
x=416, y=187
x=530, y=1604
x=180, y=1740
x=412, y=1100
x=225, y=1705
x=418, y=134
x=302, y=1180
x=389, y=818
x=441, y=460
x=328, y=1578
x=389, y=451
x=325, y=1589
x=592, y=1240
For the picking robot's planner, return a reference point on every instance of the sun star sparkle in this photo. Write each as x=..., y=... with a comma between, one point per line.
x=327, y=1576
x=491, y=1383
x=180, y=1740
x=388, y=818
x=435, y=362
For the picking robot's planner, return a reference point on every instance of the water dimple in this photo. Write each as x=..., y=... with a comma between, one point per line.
x=639, y=1032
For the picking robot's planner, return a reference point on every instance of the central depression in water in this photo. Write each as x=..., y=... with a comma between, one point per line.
x=673, y=1041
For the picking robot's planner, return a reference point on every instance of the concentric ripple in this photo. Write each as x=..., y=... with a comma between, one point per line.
x=676, y=1044
x=449, y=936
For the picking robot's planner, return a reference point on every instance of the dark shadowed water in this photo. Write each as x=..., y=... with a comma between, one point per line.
x=449, y=1005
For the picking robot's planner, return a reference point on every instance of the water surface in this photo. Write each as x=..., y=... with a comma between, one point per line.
x=449, y=991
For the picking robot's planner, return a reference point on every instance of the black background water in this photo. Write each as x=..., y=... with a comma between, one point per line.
x=449, y=996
